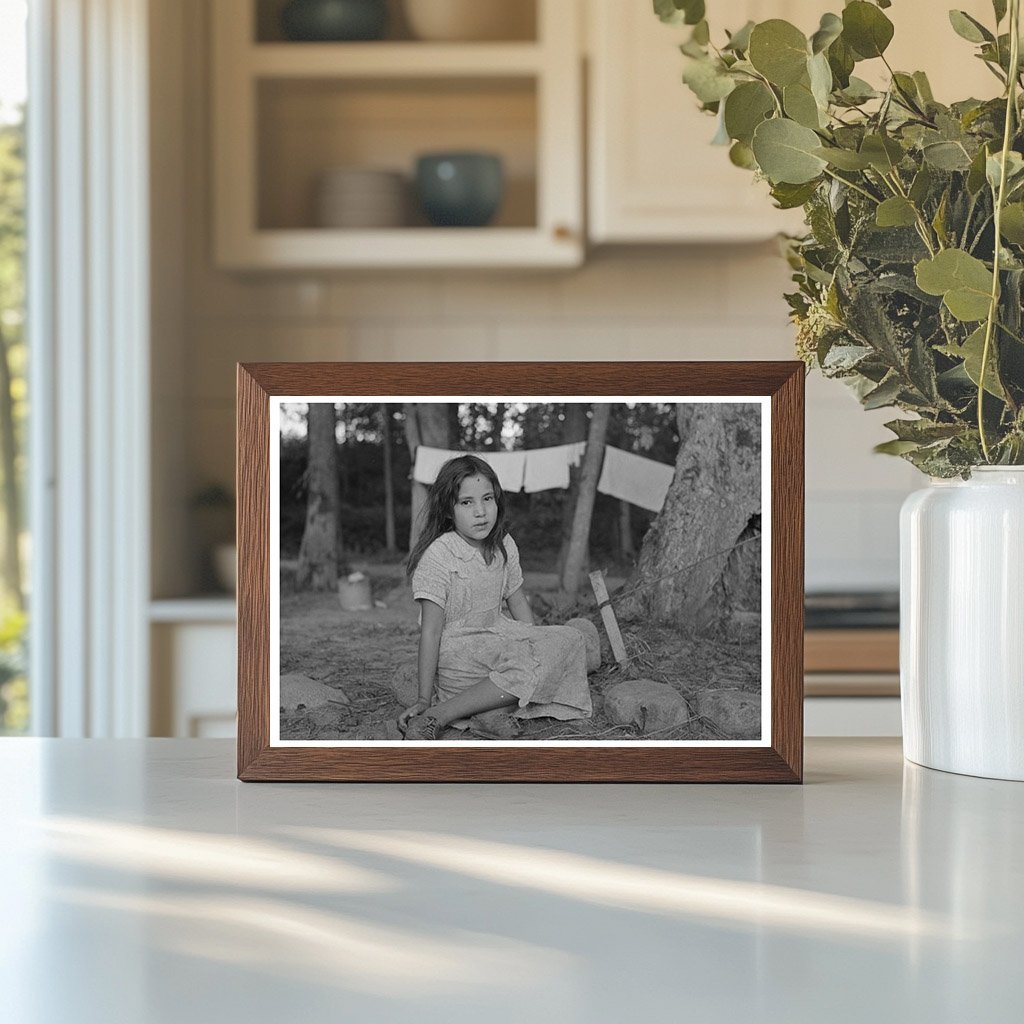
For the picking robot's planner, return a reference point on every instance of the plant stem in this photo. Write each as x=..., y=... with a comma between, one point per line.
x=922, y=225
x=850, y=184
x=993, y=309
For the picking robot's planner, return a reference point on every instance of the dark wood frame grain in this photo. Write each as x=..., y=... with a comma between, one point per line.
x=782, y=761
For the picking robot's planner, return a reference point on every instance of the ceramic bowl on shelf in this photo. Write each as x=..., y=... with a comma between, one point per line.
x=470, y=20
x=460, y=189
x=334, y=20
x=361, y=197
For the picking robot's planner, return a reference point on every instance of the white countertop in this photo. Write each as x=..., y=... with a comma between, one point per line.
x=144, y=885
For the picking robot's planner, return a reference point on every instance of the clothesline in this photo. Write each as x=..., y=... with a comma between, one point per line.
x=629, y=477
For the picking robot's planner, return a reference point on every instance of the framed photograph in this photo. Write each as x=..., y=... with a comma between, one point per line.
x=520, y=572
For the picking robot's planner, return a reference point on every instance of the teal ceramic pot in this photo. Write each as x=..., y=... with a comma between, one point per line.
x=460, y=189
x=334, y=20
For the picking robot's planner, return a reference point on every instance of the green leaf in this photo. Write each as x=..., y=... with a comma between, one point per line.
x=844, y=159
x=820, y=75
x=885, y=394
x=896, y=212
x=946, y=156
x=829, y=30
x=971, y=352
x=742, y=155
x=708, y=81
x=921, y=186
x=866, y=29
x=895, y=447
x=778, y=50
x=1011, y=225
x=745, y=108
x=858, y=91
x=800, y=105
x=789, y=197
x=883, y=153
x=694, y=11
x=721, y=137
x=963, y=281
x=906, y=89
x=939, y=220
x=785, y=152
x=841, y=60
x=968, y=28
x=976, y=175
x=994, y=167
x=923, y=431
x=676, y=12
x=701, y=33
x=739, y=41
x=924, y=88
x=999, y=7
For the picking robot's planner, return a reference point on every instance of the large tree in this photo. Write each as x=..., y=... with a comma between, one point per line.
x=320, y=548
x=574, y=430
x=713, y=503
x=389, y=485
x=426, y=423
x=590, y=471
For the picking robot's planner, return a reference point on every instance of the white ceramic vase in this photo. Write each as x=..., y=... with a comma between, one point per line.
x=962, y=624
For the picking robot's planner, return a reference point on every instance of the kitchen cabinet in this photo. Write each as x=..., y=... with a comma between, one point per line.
x=287, y=113
x=192, y=651
x=653, y=175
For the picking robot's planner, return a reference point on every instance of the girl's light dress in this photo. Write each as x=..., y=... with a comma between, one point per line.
x=545, y=667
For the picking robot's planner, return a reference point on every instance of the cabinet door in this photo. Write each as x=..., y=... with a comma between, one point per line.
x=653, y=174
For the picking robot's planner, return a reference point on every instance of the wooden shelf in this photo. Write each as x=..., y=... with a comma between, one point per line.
x=284, y=113
x=401, y=247
x=392, y=60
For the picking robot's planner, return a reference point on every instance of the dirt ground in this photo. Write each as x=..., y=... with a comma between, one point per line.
x=359, y=653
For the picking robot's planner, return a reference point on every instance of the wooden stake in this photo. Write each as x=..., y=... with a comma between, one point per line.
x=611, y=624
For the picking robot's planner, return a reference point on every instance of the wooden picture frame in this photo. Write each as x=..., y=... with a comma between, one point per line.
x=777, y=756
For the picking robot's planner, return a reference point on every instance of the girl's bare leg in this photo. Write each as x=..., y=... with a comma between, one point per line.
x=482, y=696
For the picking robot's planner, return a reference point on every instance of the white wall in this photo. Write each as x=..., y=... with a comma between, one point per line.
x=721, y=302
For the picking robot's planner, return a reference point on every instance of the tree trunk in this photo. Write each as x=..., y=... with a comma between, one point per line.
x=626, y=550
x=499, y=423
x=390, y=542
x=9, y=469
x=574, y=429
x=425, y=423
x=319, y=551
x=589, y=474
x=714, y=499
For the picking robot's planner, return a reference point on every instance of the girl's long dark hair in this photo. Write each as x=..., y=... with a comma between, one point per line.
x=436, y=516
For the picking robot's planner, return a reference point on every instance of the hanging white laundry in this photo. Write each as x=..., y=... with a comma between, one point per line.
x=509, y=467
x=576, y=450
x=429, y=462
x=635, y=479
x=547, y=468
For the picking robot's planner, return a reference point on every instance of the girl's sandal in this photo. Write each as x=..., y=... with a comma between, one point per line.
x=423, y=727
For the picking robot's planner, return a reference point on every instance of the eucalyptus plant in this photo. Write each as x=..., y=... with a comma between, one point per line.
x=910, y=277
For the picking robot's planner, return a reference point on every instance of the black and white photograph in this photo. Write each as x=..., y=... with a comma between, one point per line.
x=502, y=571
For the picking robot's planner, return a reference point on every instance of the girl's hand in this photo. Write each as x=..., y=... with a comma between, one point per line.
x=411, y=712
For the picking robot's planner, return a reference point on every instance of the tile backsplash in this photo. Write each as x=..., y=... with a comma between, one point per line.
x=716, y=302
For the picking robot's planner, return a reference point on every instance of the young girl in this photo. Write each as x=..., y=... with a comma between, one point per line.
x=463, y=567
